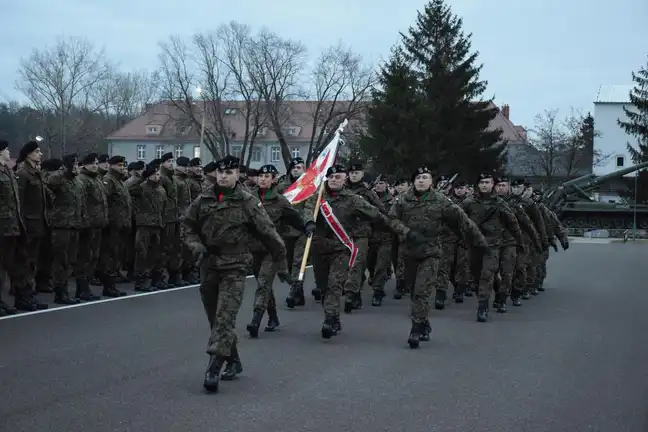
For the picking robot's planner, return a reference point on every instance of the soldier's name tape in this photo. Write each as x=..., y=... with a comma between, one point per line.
x=104, y=300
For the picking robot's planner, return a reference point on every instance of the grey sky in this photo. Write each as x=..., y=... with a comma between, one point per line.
x=536, y=54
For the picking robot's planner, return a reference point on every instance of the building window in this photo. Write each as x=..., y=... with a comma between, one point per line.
x=151, y=130
x=291, y=131
x=294, y=152
x=620, y=161
x=275, y=154
x=230, y=111
x=196, y=151
x=236, y=151
x=178, y=150
x=141, y=152
x=159, y=151
x=256, y=155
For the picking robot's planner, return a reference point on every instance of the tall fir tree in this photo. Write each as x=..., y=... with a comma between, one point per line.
x=637, y=124
x=430, y=108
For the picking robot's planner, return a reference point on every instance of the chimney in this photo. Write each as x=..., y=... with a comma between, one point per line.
x=505, y=111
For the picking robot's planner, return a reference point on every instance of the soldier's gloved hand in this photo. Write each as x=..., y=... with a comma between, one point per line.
x=309, y=228
x=285, y=277
x=415, y=237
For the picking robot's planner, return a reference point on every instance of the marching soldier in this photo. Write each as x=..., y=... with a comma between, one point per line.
x=282, y=214
x=33, y=207
x=380, y=246
x=462, y=277
x=252, y=178
x=181, y=179
x=11, y=224
x=400, y=188
x=171, y=239
x=555, y=230
x=219, y=225
x=66, y=216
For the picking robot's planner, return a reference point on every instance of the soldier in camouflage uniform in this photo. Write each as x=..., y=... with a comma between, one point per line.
x=512, y=254
x=462, y=276
x=540, y=222
x=429, y=212
x=295, y=240
x=181, y=179
x=194, y=173
x=251, y=179
x=555, y=230
x=380, y=246
x=103, y=165
x=400, y=188
x=171, y=238
x=11, y=224
x=33, y=207
x=493, y=217
x=149, y=200
x=135, y=170
x=44, y=282
x=282, y=214
x=94, y=222
x=65, y=217
x=117, y=235
x=209, y=176
x=334, y=247
x=218, y=226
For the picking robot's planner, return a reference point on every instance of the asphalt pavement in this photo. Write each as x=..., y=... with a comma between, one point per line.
x=572, y=359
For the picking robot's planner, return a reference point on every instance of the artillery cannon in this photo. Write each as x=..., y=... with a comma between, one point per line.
x=576, y=208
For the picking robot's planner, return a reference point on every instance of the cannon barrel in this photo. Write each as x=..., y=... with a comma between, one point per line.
x=592, y=183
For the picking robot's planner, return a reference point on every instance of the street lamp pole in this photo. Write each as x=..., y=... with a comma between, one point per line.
x=202, y=122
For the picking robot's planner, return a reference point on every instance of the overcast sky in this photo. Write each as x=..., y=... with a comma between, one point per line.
x=536, y=54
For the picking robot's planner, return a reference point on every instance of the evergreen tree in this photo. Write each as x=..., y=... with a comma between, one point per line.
x=637, y=124
x=430, y=106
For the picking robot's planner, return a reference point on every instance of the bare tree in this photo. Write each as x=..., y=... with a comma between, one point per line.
x=59, y=80
x=342, y=86
x=276, y=68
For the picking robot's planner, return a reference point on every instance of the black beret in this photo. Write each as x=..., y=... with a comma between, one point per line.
x=3, y=145
x=502, y=179
x=209, y=168
x=166, y=157
x=517, y=182
x=485, y=176
x=156, y=162
x=336, y=169
x=116, y=160
x=70, y=160
x=182, y=161
x=139, y=165
x=195, y=162
x=442, y=178
x=228, y=162
x=356, y=166
x=421, y=170
x=89, y=159
x=460, y=183
x=105, y=158
x=251, y=172
x=51, y=165
x=296, y=161
x=381, y=178
x=268, y=169
x=131, y=166
x=401, y=181
x=30, y=147
x=150, y=170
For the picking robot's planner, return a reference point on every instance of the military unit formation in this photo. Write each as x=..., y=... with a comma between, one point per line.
x=174, y=222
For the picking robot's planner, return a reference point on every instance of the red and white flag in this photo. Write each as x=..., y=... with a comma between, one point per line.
x=309, y=183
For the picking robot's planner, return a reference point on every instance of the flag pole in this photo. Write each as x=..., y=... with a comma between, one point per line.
x=318, y=204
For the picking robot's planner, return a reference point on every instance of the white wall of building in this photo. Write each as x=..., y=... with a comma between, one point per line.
x=613, y=140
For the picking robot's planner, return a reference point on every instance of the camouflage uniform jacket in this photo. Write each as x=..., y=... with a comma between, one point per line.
x=149, y=200
x=223, y=222
x=282, y=214
x=554, y=227
x=288, y=231
x=184, y=192
x=195, y=185
x=11, y=222
x=502, y=219
x=208, y=182
x=170, y=186
x=68, y=205
x=383, y=235
x=364, y=228
x=431, y=214
x=353, y=212
x=120, y=204
x=529, y=233
x=534, y=213
x=96, y=212
x=33, y=197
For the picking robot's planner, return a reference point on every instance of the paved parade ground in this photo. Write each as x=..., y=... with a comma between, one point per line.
x=572, y=359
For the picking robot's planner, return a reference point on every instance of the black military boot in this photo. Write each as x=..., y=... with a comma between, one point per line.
x=273, y=318
x=425, y=333
x=470, y=289
x=176, y=280
x=253, y=327
x=142, y=285
x=29, y=303
x=400, y=289
x=62, y=297
x=377, y=298
x=109, y=287
x=501, y=307
x=349, y=302
x=458, y=294
x=83, y=291
x=415, y=333
x=329, y=327
x=296, y=296
x=190, y=277
x=233, y=366
x=439, y=300
x=534, y=291
x=7, y=309
x=157, y=281
x=212, y=375
x=541, y=288
x=482, y=311
x=526, y=295
x=317, y=294
x=357, y=300
x=337, y=327
x=515, y=298
x=496, y=301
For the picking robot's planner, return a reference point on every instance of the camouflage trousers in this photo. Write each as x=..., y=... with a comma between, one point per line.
x=356, y=276
x=507, y=263
x=221, y=293
x=114, y=243
x=129, y=251
x=464, y=272
x=446, y=265
x=8, y=247
x=172, y=247
x=66, y=244
x=294, y=254
x=188, y=260
x=542, y=270
x=486, y=267
x=43, y=277
x=423, y=279
x=88, y=256
x=522, y=263
x=379, y=260
x=26, y=266
x=148, y=254
x=332, y=270
x=264, y=271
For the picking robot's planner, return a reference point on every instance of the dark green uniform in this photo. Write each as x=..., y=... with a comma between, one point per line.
x=11, y=228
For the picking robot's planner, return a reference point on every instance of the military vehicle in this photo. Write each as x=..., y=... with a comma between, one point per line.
x=573, y=203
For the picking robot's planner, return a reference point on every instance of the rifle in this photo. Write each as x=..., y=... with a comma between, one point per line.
x=445, y=184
